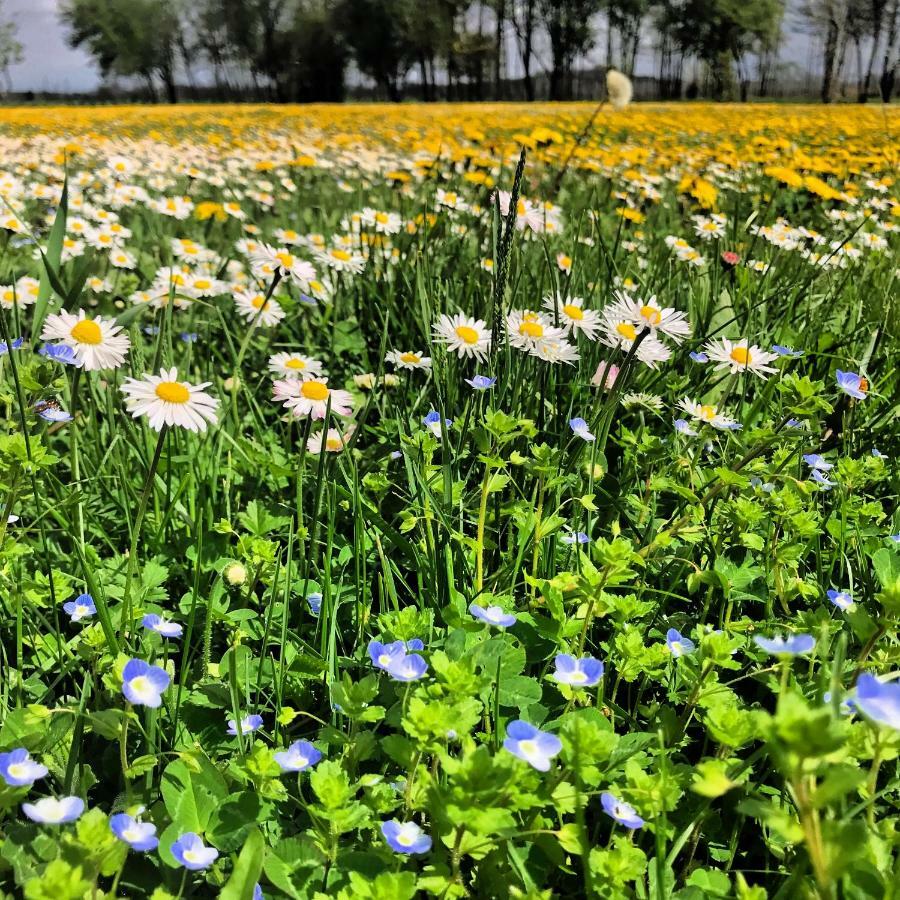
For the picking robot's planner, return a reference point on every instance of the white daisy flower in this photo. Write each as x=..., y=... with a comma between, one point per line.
x=464, y=335
x=254, y=307
x=556, y=351
x=622, y=333
x=709, y=414
x=408, y=359
x=289, y=237
x=739, y=356
x=450, y=199
x=708, y=229
x=98, y=343
x=294, y=365
x=311, y=398
x=266, y=260
x=334, y=441
x=165, y=400
x=381, y=222
x=649, y=314
x=573, y=316
x=526, y=329
x=342, y=260
x=203, y=285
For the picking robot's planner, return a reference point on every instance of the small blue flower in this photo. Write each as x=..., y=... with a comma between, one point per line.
x=314, y=602
x=793, y=645
x=493, y=615
x=852, y=384
x=188, y=336
x=895, y=538
x=249, y=724
x=793, y=423
x=190, y=852
x=140, y=836
x=580, y=429
x=575, y=537
x=698, y=357
x=531, y=744
x=433, y=422
x=583, y=671
x=481, y=382
x=258, y=892
x=301, y=755
x=678, y=644
x=682, y=426
x=841, y=599
x=822, y=480
x=382, y=655
x=16, y=345
x=54, y=810
x=879, y=701
x=153, y=622
x=150, y=329
x=143, y=684
x=786, y=351
x=405, y=837
x=79, y=608
x=61, y=353
x=51, y=411
x=878, y=454
x=409, y=667
x=18, y=769
x=757, y=482
x=414, y=644
x=623, y=813
x=815, y=461
x=309, y=301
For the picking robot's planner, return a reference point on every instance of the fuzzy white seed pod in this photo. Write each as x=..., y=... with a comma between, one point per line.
x=619, y=89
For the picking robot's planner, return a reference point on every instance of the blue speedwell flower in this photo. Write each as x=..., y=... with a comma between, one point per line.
x=301, y=755
x=536, y=747
x=314, y=602
x=249, y=724
x=815, y=461
x=18, y=769
x=382, y=655
x=408, y=667
x=143, y=684
x=16, y=344
x=678, y=644
x=257, y=892
x=80, y=608
x=405, y=837
x=841, y=599
x=879, y=700
x=51, y=411
x=54, y=810
x=683, y=427
x=623, y=813
x=433, y=422
x=575, y=537
x=492, y=615
x=878, y=454
x=786, y=351
x=698, y=357
x=852, y=384
x=580, y=429
x=481, y=382
x=140, y=836
x=793, y=645
x=153, y=622
x=190, y=851
x=582, y=671
x=61, y=353
x=822, y=480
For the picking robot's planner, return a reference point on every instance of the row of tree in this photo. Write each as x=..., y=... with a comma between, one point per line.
x=457, y=49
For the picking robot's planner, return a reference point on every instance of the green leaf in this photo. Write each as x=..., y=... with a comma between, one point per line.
x=247, y=869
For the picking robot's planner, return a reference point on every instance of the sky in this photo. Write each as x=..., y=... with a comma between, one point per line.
x=50, y=64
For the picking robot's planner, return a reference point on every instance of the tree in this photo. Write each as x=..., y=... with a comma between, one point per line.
x=523, y=19
x=11, y=51
x=128, y=37
x=568, y=25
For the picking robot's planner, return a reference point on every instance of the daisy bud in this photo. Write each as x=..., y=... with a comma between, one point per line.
x=231, y=384
x=365, y=382
x=391, y=380
x=605, y=376
x=235, y=574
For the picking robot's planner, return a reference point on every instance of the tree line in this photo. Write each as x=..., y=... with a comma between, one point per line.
x=304, y=50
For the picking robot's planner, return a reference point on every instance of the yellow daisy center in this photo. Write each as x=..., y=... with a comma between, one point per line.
x=742, y=356
x=410, y=357
x=202, y=284
x=521, y=208
x=450, y=198
x=381, y=218
x=87, y=332
x=294, y=363
x=341, y=255
x=285, y=259
x=333, y=443
x=531, y=329
x=259, y=302
x=651, y=314
x=314, y=390
x=627, y=330
x=573, y=312
x=172, y=392
x=707, y=412
x=565, y=261
x=466, y=334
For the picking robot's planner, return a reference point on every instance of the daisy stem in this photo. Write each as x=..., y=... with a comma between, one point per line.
x=482, y=515
x=125, y=624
